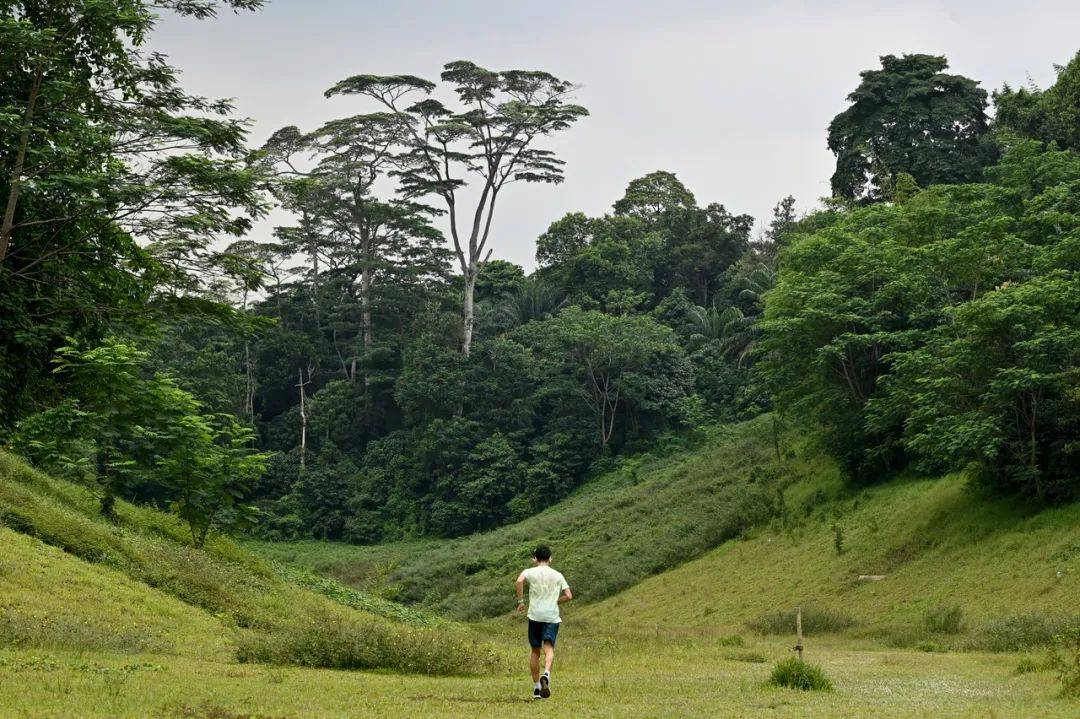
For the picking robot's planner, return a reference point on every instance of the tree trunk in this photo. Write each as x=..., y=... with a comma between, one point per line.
x=365, y=316
x=303, y=423
x=17, y=170
x=468, y=310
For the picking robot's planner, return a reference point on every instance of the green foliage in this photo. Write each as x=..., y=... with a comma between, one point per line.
x=263, y=617
x=134, y=435
x=909, y=117
x=1065, y=659
x=838, y=538
x=944, y=619
x=1050, y=115
x=1017, y=632
x=796, y=674
x=941, y=329
x=618, y=366
x=336, y=640
x=815, y=620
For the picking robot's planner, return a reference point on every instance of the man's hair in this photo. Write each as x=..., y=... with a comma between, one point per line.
x=542, y=553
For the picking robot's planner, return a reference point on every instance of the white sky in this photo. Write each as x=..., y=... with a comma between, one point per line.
x=734, y=97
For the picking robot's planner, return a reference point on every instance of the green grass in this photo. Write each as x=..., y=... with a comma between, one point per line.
x=75, y=581
x=649, y=514
x=126, y=620
x=960, y=570
x=595, y=676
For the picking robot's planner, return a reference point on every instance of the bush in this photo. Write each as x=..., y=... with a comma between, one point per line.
x=1030, y=665
x=944, y=619
x=814, y=621
x=1016, y=633
x=332, y=640
x=1065, y=659
x=796, y=674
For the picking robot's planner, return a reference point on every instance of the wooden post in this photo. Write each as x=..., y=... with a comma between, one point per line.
x=798, y=632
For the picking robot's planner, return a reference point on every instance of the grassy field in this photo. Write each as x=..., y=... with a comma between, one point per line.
x=124, y=619
x=598, y=676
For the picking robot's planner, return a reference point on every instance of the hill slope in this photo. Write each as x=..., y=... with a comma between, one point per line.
x=702, y=539
x=650, y=513
x=72, y=580
x=932, y=545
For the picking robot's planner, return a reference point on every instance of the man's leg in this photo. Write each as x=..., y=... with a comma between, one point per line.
x=549, y=656
x=534, y=664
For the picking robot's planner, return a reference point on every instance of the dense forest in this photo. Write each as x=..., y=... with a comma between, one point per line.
x=373, y=371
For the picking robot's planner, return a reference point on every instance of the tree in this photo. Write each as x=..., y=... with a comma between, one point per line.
x=909, y=116
x=116, y=186
x=137, y=435
x=503, y=114
x=102, y=136
x=359, y=235
x=1051, y=115
x=626, y=366
x=649, y=197
x=700, y=244
x=563, y=239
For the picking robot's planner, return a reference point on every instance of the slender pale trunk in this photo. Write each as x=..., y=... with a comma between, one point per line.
x=468, y=309
x=366, y=278
x=303, y=423
x=15, y=180
x=249, y=389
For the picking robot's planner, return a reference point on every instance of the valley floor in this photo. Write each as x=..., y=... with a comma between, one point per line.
x=658, y=675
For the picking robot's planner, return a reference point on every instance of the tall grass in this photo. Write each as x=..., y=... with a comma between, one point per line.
x=270, y=619
x=815, y=620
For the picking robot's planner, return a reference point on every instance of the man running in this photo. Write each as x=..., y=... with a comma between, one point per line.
x=546, y=589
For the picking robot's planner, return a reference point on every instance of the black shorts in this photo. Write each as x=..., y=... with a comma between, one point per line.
x=540, y=632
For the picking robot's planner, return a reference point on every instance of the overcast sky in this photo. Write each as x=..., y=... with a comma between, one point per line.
x=734, y=97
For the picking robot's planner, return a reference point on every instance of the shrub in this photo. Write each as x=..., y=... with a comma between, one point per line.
x=332, y=640
x=1016, y=633
x=796, y=674
x=1065, y=659
x=944, y=619
x=74, y=633
x=1030, y=665
x=814, y=620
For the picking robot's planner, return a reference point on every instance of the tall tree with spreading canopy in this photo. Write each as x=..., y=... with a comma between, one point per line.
x=492, y=135
x=909, y=117
x=342, y=218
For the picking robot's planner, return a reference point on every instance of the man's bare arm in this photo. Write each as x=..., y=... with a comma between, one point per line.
x=519, y=589
x=566, y=596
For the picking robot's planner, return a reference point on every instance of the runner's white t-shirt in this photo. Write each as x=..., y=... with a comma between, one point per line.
x=545, y=586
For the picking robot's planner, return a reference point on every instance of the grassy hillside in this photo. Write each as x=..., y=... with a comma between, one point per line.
x=1002, y=572
x=649, y=514
x=125, y=620
x=707, y=543
x=75, y=581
